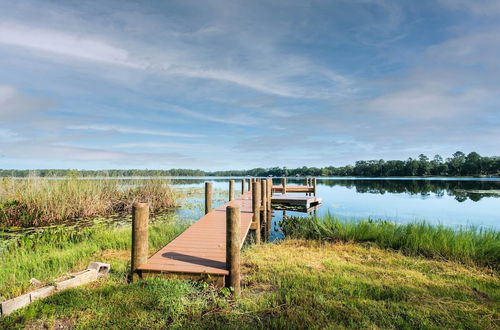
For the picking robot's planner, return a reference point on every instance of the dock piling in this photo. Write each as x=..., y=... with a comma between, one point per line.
x=256, y=210
x=233, y=248
x=208, y=197
x=263, y=205
x=140, y=244
x=314, y=186
x=283, y=183
x=231, y=190
x=242, y=186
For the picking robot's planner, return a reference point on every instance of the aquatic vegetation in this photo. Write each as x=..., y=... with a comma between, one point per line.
x=469, y=245
x=40, y=201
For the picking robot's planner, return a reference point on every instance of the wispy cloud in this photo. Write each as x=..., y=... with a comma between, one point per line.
x=60, y=43
x=129, y=130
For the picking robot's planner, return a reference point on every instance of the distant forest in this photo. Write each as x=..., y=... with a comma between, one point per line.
x=459, y=164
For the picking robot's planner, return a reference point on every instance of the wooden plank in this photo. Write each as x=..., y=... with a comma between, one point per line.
x=201, y=249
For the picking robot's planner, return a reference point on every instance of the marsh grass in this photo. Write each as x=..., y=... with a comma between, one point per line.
x=467, y=245
x=290, y=285
x=40, y=201
x=52, y=253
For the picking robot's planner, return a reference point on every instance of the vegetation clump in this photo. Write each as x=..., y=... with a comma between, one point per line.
x=40, y=201
x=468, y=245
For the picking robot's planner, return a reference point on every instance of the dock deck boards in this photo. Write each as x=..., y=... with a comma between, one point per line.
x=303, y=201
x=201, y=249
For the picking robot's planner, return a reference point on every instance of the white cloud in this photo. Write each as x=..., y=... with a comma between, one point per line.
x=128, y=130
x=62, y=43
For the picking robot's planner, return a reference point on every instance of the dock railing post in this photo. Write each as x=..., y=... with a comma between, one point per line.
x=249, y=184
x=208, y=197
x=231, y=190
x=140, y=244
x=233, y=248
x=283, y=183
x=269, y=193
x=256, y=210
x=263, y=197
x=242, y=186
x=314, y=186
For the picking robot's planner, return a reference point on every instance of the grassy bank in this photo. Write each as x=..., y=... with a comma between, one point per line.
x=40, y=202
x=52, y=253
x=293, y=284
x=467, y=245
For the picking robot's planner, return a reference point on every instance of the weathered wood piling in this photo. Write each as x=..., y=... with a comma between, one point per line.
x=140, y=244
x=233, y=248
x=208, y=197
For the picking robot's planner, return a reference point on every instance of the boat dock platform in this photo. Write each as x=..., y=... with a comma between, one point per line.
x=209, y=248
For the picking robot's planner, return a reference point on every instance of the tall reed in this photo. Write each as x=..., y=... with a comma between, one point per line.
x=40, y=201
x=468, y=245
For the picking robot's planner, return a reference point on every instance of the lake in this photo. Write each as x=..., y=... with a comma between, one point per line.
x=452, y=202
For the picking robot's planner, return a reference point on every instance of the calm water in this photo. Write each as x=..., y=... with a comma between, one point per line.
x=454, y=203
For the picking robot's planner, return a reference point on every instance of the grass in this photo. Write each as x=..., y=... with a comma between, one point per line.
x=466, y=245
x=293, y=284
x=40, y=201
x=52, y=253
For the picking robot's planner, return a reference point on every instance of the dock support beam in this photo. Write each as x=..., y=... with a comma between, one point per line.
x=283, y=183
x=140, y=245
x=256, y=210
x=231, y=190
x=263, y=197
x=233, y=248
x=208, y=197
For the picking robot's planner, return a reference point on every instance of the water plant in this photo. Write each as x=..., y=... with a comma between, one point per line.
x=469, y=245
x=40, y=201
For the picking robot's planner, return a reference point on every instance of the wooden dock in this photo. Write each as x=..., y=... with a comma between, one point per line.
x=301, y=202
x=209, y=248
x=200, y=251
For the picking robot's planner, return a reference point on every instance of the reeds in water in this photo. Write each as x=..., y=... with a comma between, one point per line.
x=468, y=245
x=40, y=201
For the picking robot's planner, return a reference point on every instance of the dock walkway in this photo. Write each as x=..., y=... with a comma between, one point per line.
x=200, y=251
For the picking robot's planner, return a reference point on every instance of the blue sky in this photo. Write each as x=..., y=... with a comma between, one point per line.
x=242, y=84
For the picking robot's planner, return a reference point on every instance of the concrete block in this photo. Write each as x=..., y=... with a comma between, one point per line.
x=101, y=267
x=84, y=277
x=11, y=305
x=42, y=292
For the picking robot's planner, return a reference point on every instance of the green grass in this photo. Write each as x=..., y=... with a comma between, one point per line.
x=293, y=284
x=40, y=201
x=467, y=245
x=52, y=253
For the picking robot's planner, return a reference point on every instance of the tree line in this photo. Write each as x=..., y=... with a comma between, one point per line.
x=459, y=164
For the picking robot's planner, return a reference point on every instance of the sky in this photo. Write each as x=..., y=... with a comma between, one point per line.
x=236, y=84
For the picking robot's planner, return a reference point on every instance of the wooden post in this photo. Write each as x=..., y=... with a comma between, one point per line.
x=140, y=246
x=263, y=197
x=233, y=248
x=242, y=186
x=314, y=186
x=269, y=193
x=283, y=183
x=208, y=197
x=256, y=210
x=249, y=184
x=231, y=190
